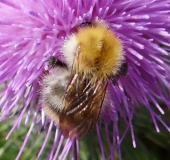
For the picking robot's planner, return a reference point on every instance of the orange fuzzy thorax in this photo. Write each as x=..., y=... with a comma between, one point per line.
x=100, y=52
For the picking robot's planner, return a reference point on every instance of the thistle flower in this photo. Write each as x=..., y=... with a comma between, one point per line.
x=32, y=31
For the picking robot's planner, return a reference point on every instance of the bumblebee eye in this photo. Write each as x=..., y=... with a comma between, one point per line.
x=54, y=62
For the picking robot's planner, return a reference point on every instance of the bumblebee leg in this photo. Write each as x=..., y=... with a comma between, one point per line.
x=123, y=69
x=54, y=62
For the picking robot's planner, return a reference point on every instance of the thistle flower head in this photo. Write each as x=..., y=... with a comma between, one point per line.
x=32, y=31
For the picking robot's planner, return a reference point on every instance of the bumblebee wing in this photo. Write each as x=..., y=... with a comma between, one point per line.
x=82, y=104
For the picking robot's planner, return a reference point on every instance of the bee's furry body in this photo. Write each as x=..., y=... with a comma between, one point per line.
x=101, y=52
x=74, y=96
x=54, y=86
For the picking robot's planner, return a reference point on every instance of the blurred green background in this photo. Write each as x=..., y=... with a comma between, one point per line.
x=150, y=144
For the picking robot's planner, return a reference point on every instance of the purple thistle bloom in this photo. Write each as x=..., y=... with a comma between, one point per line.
x=32, y=31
